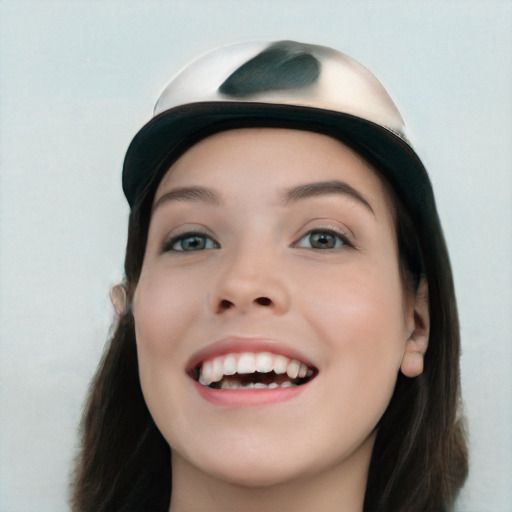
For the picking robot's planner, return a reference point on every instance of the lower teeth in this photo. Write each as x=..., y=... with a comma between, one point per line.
x=252, y=385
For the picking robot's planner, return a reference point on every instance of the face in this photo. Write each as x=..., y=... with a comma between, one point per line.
x=271, y=250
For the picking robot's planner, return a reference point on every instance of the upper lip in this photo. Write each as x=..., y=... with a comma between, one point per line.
x=233, y=344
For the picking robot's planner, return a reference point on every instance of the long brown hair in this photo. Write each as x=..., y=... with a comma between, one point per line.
x=419, y=461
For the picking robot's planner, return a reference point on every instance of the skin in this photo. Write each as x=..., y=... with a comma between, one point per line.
x=345, y=308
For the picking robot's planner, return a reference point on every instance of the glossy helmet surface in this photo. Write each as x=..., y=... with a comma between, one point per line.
x=278, y=84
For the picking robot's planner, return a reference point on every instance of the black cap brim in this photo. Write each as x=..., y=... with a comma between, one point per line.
x=171, y=133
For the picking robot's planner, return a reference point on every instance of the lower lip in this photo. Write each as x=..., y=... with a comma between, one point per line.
x=249, y=397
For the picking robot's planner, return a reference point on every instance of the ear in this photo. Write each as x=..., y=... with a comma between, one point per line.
x=419, y=328
x=120, y=299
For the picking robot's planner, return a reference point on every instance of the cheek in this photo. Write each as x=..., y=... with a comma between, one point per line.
x=162, y=309
x=356, y=301
x=164, y=304
x=359, y=316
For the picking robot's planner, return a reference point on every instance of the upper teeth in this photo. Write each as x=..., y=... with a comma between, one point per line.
x=213, y=370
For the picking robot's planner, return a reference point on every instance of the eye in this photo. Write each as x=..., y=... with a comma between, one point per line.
x=323, y=239
x=188, y=242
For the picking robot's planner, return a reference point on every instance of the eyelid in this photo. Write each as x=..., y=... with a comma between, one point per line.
x=345, y=235
x=184, y=232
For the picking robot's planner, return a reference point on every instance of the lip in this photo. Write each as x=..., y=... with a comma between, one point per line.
x=247, y=397
x=236, y=345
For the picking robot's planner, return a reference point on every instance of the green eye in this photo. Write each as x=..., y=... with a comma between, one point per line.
x=322, y=239
x=191, y=242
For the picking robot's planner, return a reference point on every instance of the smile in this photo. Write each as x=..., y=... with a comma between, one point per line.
x=249, y=370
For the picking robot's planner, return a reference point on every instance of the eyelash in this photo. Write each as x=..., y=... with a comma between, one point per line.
x=169, y=245
x=341, y=240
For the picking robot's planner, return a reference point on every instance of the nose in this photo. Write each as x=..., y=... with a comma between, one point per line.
x=251, y=282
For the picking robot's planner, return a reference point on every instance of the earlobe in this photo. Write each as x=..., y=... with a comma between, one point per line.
x=417, y=343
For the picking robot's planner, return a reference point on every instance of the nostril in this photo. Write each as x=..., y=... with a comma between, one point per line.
x=263, y=301
x=225, y=304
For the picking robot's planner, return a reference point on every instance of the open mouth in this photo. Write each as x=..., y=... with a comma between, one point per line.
x=247, y=370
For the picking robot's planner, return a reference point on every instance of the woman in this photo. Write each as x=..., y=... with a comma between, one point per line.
x=288, y=334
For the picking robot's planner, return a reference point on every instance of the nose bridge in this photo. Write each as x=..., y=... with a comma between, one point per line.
x=252, y=277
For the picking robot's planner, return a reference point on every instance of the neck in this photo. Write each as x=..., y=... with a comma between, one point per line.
x=340, y=487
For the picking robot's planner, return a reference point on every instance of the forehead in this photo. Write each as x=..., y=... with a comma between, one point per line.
x=269, y=161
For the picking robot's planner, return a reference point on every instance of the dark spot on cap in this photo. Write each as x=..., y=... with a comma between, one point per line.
x=283, y=65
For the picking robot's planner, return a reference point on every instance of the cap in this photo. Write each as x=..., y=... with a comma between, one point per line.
x=277, y=84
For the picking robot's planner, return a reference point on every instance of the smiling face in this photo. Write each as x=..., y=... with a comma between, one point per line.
x=270, y=250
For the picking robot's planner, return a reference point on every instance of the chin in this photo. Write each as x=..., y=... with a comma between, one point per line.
x=255, y=474
x=257, y=463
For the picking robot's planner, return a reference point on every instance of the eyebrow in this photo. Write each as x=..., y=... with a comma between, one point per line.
x=323, y=188
x=291, y=195
x=188, y=194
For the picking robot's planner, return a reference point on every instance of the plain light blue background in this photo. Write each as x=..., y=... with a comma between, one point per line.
x=78, y=78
